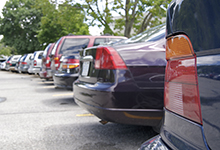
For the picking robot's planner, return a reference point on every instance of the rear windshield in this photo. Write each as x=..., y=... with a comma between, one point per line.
x=15, y=58
x=24, y=57
x=152, y=34
x=55, y=47
x=73, y=45
x=99, y=41
x=46, y=50
x=102, y=41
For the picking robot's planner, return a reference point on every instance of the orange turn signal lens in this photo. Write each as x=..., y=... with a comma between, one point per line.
x=56, y=58
x=178, y=46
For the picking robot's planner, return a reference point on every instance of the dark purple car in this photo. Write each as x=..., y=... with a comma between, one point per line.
x=192, y=87
x=124, y=83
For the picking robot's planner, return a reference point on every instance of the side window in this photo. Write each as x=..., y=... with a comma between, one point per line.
x=73, y=45
x=30, y=57
x=99, y=41
x=40, y=55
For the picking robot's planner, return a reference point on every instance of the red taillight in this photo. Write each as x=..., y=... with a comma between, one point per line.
x=35, y=63
x=181, y=93
x=10, y=64
x=24, y=63
x=108, y=58
x=70, y=63
x=48, y=62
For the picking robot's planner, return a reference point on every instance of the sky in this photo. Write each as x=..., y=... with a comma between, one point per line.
x=2, y=3
x=93, y=30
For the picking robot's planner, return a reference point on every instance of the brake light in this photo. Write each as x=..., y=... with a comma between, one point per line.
x=10, y=64
x=108, y=58
x=24, y=63
x=35, y=63
x=70, y=63
x=48, y=62
x=181, y=93
x=56, y=62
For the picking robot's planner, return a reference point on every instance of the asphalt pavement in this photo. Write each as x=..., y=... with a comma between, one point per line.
x=34, y=115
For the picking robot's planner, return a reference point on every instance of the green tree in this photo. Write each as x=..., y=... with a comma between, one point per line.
x=100, y=11
x=135, y=15
x=139, y=14
x=20, y=24
x=61, y=20
x=6, y=50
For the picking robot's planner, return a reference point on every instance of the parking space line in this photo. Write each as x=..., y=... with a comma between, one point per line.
x=84, y=115
x=45, y=87
x=68, y=94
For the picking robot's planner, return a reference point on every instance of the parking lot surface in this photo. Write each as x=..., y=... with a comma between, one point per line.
x=34, y=115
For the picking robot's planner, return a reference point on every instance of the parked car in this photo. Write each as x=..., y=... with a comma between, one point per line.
x=3, y=62
x=3, y=58
x=12, y=62
x=124, y=83
x=25, y=63
x=7, y=65
x=36, y=61
x=3, y=65
x=191, y=98
x=71, y=45
x=45, y=65
x=17, y=65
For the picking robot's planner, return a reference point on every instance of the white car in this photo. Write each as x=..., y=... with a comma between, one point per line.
x=12, y=62
x=25, y=62
x=3, y=65
x=36, y=61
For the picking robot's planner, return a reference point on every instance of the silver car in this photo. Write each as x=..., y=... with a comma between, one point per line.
x=36, y=62
x=25, y=63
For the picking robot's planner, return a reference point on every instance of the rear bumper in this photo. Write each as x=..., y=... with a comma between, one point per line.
x=12, y=68
x=36, y=70
x=178, y=133
x=108, y=103
x=24, y=69
x=43, y=74
x=64, y=80
x=50, y=73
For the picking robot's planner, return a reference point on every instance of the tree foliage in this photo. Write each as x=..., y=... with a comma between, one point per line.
x=20, y=25
x=61, y=20
x=29, y=25
x=135, y=15
x=6, y=50
x=100, y=11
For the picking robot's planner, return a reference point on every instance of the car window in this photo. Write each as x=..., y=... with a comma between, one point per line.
x=34, y=55
x=40, y=55
x=55, y=47
x=73, y=45
x=46, y=50
x=15, y=58
x=24, y=57
x=152, y=34
x=99, y=41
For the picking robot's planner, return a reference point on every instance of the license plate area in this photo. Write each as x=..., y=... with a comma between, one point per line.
x=85, y=68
